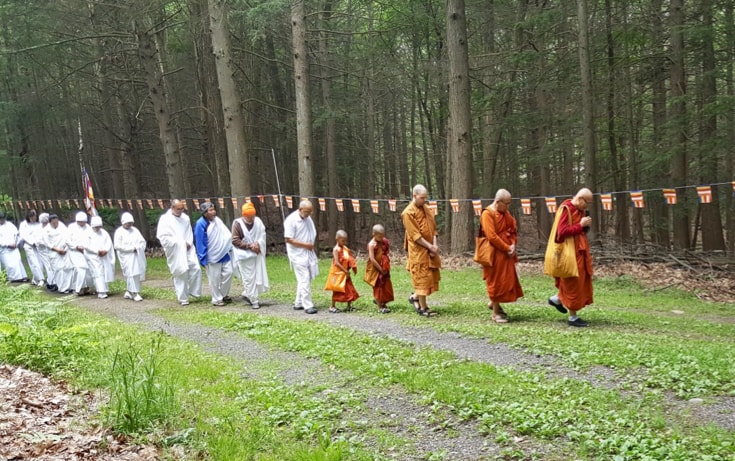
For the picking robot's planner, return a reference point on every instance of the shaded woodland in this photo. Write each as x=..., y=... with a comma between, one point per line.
x=362, y=99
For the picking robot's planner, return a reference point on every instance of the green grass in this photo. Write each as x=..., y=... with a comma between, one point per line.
x=218, y=413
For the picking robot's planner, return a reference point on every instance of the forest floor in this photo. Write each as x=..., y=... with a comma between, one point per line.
x=45, y=420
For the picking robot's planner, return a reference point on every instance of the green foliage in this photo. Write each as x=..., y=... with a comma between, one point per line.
x=141, y=393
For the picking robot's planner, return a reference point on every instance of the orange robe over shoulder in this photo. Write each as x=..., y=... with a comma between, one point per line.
x=501, y=279
x=382, y=285
x=419, y=222
x=348, y=262
x=575, y=292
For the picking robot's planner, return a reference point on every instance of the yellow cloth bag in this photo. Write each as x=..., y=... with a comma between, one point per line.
x=561, y=258
x=336, y=280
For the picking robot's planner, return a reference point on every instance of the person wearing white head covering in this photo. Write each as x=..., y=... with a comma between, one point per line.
x=54, y=239
x=100, y=257
x=44, y=252
x=130, y=247
x=214, y=245
x=177, y=239
x=9, y=255
x=77, y=238
x=29, y=232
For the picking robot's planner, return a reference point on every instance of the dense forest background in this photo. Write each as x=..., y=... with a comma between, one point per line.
x=361, y=100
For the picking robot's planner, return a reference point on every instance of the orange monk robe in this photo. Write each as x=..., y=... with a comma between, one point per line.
x=419, y=222
x=382, y=285
x=575, y=292
x=348, y=262
x=501, y=279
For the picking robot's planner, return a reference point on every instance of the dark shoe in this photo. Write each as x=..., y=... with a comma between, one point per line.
x=578, y=322
x=385, y=310
x=247, y=300
x=298, y=308
x=426, y=312
x=227, y=300
x=310, y=310
x=558, y=306
x=255, y=306
x=218, y=303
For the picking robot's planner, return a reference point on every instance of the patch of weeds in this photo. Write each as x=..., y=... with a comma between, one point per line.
x=141, y=393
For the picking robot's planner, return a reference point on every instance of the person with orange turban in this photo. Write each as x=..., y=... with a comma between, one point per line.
x=248, y=242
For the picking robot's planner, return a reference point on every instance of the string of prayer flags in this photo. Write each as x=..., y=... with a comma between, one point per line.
x=551, y=204
x=392, y=202
x=526, y=205
x=606, y=200
x=477, y=206
x=705, y=194
x=355, y=205
x=340, y=204
x=455, y=205
x=289, y=201
x=670, y=196
x=637, y=198
x=433, y=207
x=322, y=204
x=375, y=207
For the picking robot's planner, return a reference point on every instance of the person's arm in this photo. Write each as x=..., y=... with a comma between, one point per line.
x=237, y=237
x=371, y=256
x=487, y=223
x=564, y=229
x=335, y=259
x=201, y=240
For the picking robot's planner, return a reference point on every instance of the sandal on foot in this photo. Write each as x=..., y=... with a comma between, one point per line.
x=385, y=310
x=499, y=318
x=334, y=310
x=427, y=313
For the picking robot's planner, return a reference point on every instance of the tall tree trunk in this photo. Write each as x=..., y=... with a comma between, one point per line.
x=730, y=117
x=149, y=55
x=659, y=210
x=678, y=120
x=330, y=134
x=712, y=236
x=588, y=111
x=237, y=153
x=303, y=98
x=459, y=133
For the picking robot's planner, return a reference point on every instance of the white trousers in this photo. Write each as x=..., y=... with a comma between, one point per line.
x=13, y=265
x=189, y=283
x=303, y=287
x=248, y=270
x=33, y=256
x=133, y=283
x=220, y=280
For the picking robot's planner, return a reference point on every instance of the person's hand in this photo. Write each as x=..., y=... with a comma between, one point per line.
x=188, y=246
x=512, y=250
x=102, y=252
x=255, y=248
x=586, y=221
x=80, y=249
x=354, y=269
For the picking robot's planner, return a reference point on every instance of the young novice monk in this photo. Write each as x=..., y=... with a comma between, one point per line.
x=377, y=271
x=342, y=260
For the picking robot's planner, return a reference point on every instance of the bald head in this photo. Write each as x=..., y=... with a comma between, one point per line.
x=378, y=229
x=419, y=189
x=501, y=195
x=582, y=198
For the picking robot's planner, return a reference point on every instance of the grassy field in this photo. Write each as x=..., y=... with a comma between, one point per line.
x=662, y=347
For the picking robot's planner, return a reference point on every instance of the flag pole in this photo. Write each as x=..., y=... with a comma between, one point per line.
x=278, y=184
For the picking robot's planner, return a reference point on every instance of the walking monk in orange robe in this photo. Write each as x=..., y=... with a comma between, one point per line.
x=575, y=292
x=501, y=279
x=423, y=252
x=343, y=262
x=377, y=270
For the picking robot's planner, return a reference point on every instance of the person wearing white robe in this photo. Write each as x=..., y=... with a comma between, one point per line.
x=10, y=259
x=214, y=244
x=77, y=238
x=248, y=242
x=44, y=253
x=29, y=232
x=300, y=234
x=100, y=257
x=54, y=239
x=130, y=246
x=177, y=239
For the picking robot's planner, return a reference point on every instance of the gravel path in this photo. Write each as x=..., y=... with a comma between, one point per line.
x=392, y=408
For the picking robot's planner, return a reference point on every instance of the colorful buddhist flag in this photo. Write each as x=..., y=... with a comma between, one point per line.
x=119, y=203
x=130, y=204
x=551, y=204
x=140, y=203
x=196, y=203
x=276, y=201
x=433, y=207
x=20, y=204
x=637, y=198
x=455, y=204
x=375, y=207
x=50, y=204
x=607, y=202
x=261, y=199
x=322, y=204
x=149, y=202
x=289, y=201
x=340, y=204
x=477, y=206
x=705, y=194
x=733, y=188
x=392, y=202
x=670, y=196
x=355, y=205
x=234, y=204
x=88, y=194
x=160, y=204
x=526, y=205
